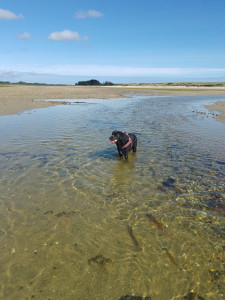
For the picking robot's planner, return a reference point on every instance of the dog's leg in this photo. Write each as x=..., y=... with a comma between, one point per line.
x=135, y=144
x=120, y=153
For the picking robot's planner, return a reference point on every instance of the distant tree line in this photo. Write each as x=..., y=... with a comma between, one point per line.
x=25, y=83
x=22, y=83
x=93, y=82
x=5, y=82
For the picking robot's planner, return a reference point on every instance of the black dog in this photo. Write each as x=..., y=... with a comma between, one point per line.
x=125, y=142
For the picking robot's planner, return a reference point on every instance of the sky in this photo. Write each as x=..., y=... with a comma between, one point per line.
x=122, y=41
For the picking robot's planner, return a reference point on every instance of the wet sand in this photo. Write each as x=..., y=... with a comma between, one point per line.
x=15, y=99
x=219, y=106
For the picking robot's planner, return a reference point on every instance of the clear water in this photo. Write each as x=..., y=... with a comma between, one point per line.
x=78, y=222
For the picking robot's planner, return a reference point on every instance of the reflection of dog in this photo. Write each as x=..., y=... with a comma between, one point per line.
x=125, y=142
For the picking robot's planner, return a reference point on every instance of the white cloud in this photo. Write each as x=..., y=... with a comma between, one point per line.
x=8, y=15
x=88, y=14
x=24, y=36
x=66, y=35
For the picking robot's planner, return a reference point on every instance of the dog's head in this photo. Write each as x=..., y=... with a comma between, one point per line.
x=116, y=135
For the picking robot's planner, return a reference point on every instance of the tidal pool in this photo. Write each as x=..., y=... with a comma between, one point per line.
x=78, y=222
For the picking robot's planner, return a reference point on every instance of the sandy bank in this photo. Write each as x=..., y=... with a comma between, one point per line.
x=219, y=106
x=17, y=98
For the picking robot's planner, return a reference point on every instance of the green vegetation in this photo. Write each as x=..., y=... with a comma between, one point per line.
x=89, y=82
x=93, y=82
x=182, y=84
x=198, y=84
x=6, y=83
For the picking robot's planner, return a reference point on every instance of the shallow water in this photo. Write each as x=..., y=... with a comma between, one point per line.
x=78, y=222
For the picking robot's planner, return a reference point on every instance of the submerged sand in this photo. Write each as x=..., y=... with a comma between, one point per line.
x=18, y=98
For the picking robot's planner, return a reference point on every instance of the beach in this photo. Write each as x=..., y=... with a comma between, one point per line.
x=15, y=99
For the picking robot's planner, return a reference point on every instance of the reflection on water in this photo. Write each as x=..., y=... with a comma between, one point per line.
x=78, y=222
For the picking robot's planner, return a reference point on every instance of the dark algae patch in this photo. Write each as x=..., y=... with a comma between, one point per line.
x=159, y=224
x=65, y=214
x=170, y=184
x=100, y=261
x=171, y=257
x=132, y=297
x=193, y=296
x=48, y=212
x=217, y=275
x=131, y=234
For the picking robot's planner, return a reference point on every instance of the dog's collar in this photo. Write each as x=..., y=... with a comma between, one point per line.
x=129, y=142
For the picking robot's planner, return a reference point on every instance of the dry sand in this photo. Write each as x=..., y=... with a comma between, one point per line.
x=18, y=98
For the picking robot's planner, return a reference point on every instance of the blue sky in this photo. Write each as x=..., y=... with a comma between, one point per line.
x=121, y=40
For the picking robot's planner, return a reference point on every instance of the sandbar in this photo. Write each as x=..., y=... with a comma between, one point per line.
x=15, y=99
x=219, y=106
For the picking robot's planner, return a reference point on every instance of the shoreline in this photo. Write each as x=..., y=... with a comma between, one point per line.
x=15, y=99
